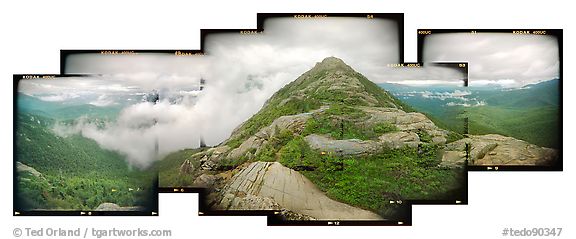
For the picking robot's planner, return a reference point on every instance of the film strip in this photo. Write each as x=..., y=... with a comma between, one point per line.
x=350, y=141
x=516, y=77
x=60, y=169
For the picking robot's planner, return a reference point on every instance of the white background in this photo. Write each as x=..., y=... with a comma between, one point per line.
x=33, y=32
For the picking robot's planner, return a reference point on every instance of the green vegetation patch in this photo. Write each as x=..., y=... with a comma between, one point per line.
x=344, y=122
x=384, y=98
x=296, y=154
x=297, y=97
x=538, y=126
x=169, y=168
x=268, y=152
x=424, y=136
x=269, y=113
x=78, y=193
x=371, y=182
x=77, y=173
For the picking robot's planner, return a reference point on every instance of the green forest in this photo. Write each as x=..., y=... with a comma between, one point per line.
x=73, y=173
x=530, y=113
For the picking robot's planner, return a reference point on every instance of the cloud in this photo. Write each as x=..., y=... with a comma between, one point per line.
x=139, y=128
x=137, y=65
x=59, y=97
x=102, y=101
x=456, y=94
x=73, y=87
x=502, y=83
x=498, y=58
x=241, y=73
x=427, y=82
x=473, y=104
x=137, y=145
x=426, y=75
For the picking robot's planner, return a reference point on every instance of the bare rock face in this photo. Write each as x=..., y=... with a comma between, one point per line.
x=439, y=140
x=205, y=181
x=271, y=186
x=396, y=140
x=344, y=147
x=453, y=158
x=494, y=149
x=186, y=167
x=114, y=207
x=293, y=123
x=246, y=202
x=254, y=142
x=210, y=158
x=406, y=122
x=205, y=164
x=292, y=216
x=351, y=147
x=20, y=168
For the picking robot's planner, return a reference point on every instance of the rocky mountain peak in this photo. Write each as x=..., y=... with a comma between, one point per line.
x=329, y=114
x=331, y=83
x=332, y=63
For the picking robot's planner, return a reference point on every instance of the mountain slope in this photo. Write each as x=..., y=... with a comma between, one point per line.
x=539, y=125
x=330, y=81
x=542, y=94
x=435, y=108
x=76, y=174
x=531, y=113
x=357, y=143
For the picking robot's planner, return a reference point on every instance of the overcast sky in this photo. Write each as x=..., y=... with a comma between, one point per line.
x=78, y=85
x=428, y=74
x=146, y=70
x=507, y=59
x=297, y=44
x=152, y=63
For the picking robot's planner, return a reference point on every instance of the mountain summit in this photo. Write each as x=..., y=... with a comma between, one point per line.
x=330, y=128
x=332, y=63
x=332, y=145
x=332, y=80
x=334, y=109
x=329, y=82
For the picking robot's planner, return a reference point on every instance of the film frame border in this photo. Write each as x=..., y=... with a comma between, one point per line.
x=260, y=19
x=422, y=34
x=65, y=54
x=463, y=67
x=16, y=78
